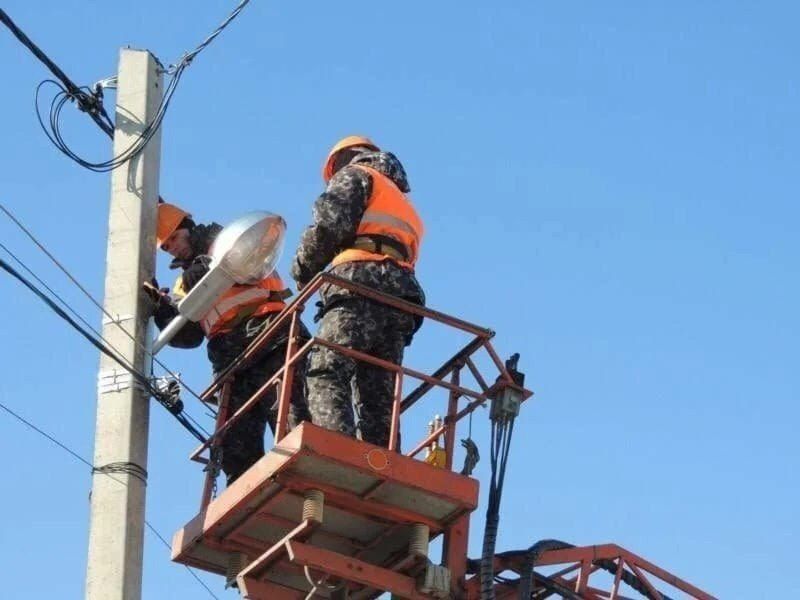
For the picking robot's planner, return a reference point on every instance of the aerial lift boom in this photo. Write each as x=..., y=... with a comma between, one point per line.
x=326, y=515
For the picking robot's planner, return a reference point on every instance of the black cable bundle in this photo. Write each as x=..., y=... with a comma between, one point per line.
x=188, y=423
x=502, y=430
x=91, y=100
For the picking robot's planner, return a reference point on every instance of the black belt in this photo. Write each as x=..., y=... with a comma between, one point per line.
x=382, y=244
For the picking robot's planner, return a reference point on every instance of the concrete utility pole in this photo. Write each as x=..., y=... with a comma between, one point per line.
x=116, y=530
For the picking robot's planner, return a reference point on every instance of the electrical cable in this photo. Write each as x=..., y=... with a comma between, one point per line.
x=139, y=377
x=86, y=323
x=500, y=444
x=86, y=102
x=91, y=101
x=94, y=301
x=188, y=57
x=79, y=458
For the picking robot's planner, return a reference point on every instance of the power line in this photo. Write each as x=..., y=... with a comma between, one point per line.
x=82, y=319
x=188, y=57
x=86, y=101
x=140, y=378
x=91, y=100
x=79, y=458
x=86, y=293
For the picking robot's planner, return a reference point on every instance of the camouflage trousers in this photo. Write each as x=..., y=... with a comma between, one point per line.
x=338, y=384
x=243, y=444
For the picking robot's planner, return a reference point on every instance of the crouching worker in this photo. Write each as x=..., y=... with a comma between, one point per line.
x=238, y=317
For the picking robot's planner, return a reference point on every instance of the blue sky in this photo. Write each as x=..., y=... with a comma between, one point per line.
x=610, y=186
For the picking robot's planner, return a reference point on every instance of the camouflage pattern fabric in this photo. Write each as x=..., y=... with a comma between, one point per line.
x=370, y=327
x=338, y=211
x=243, y=444
x=349, y=319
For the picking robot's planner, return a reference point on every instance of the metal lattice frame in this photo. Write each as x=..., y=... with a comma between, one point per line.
x=295, y=351
x=579, y=565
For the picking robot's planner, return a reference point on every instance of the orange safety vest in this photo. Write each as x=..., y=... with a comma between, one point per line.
x=389, y=214
x=267, y=296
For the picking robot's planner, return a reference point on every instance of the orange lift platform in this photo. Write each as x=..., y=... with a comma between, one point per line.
x=326, y=515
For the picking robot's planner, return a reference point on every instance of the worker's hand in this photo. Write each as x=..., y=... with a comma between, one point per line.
x=155, y=294
x=196, y=271
x=299, y=286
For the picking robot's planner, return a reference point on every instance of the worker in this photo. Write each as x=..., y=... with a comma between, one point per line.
x=230, y=329
x=366, y=228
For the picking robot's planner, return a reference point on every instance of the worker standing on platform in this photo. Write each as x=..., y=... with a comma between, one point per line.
x=237, y=318
x=366, y=228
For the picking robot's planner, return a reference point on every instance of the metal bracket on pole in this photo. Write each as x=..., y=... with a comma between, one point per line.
x=117, y=380
x=118, y=320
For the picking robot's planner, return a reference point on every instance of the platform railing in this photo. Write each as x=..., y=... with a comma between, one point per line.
x=452, y=368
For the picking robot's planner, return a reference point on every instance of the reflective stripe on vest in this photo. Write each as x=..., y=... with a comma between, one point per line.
x=239, y=297
x=389, y=213
x=382, y=218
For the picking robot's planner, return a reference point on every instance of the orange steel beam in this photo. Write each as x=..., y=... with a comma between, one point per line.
x=562, y=572
x=231, y=545
x=407, y=565
x=454, y=553
x=653, y=591
x=617, y=579
x=582, y=579
x=281, y=422
x=284, y=375
x=321, y=533
x=263, y=507
x=256, y=568
x=450, y=421
x=443, y=371
x=578, y=557
x=580, y=583
x=612, y=552
x=274, y=380
x=344, y=450
x=406, y=306
x=601, y=594
x=390, y=366
x=298, y=304
x=353, y=569
x=501, y=366
x=427, y=441
x=477, y=374
x=351, y=502
x=394, y=430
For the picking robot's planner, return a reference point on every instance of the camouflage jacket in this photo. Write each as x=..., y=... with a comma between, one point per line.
x=191, y=335
x=222, y=349
x=336, y=216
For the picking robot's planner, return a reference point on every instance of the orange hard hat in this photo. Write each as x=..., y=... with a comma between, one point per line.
x=169, y=218
x=347, y=142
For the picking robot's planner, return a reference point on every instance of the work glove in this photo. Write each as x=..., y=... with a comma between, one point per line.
x=196, y=271
x=157, y=296
x=161, y=307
